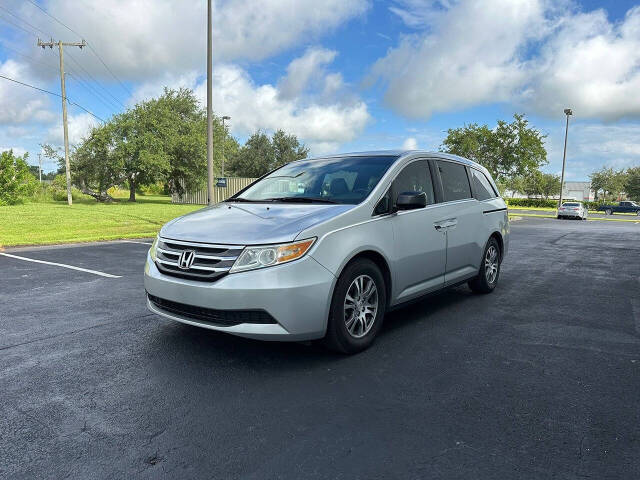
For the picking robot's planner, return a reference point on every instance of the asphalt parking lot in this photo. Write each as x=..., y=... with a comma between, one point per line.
x=540, y=379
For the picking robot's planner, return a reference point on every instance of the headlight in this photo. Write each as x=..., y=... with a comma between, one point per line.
x=153, y=249
x=269, y=255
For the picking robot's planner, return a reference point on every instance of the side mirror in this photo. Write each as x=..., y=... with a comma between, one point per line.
x=411, y=200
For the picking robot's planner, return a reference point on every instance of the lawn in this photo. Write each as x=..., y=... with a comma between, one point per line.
x=86, y=220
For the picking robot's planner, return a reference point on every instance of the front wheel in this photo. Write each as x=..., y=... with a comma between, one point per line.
x=487, y=278
x=357, y=307
x=608, y=211
x=638, y=213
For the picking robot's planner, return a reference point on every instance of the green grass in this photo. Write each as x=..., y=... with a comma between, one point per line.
x=593, y=219
x=86, y=220
x=549, y=209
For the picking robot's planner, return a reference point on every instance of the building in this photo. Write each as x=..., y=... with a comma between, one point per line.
x=578, y=191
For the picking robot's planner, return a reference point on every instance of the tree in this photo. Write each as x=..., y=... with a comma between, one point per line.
x=549, y=185
x=632, y=183
x=254, y=158
x=95, y=166
x=608, y=181
x=287, y=149
x=16, y=181
x=181, y=127
x=532, y=184
x=261, y=154
x=509, y=150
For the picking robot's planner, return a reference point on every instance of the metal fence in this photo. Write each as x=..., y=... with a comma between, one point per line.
x=234, y=185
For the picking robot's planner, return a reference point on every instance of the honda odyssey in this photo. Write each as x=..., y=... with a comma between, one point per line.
x=322, y=248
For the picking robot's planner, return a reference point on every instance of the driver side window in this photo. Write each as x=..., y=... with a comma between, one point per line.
x=415, y=177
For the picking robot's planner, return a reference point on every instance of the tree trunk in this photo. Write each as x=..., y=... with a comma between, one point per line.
x=132, y=191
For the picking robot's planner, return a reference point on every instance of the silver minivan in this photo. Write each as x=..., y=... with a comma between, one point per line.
x=321, y=248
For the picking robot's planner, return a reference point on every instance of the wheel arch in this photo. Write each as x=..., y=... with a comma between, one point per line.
x=381, y=263
x=498, y=236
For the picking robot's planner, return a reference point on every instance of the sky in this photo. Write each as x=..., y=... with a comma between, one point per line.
x=343, y=75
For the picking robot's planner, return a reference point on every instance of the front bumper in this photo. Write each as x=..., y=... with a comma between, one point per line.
x=297, y=295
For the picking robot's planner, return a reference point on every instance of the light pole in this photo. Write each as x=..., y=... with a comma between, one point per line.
x=224, y=136
x=209, y=110
x=568, y=113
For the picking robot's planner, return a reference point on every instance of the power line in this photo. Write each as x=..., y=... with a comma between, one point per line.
x=33, y=60
x=53, y=93
x=81, y=81
x=49, y=15
x=94, y=79
x=18, y=26
x=32, y=86
x=109, y=70
x=88, y=44
x=23, y=20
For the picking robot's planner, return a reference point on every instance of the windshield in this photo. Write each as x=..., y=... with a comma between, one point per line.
x=330, y=180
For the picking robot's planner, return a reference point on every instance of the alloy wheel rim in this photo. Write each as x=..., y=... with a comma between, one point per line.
x=360, y=306
x=491, y=264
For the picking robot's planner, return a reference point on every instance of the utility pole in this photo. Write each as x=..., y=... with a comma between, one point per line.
x=40, y=166
x=65, y=127
x=568, y=113
x=224, y=136
x=209, y=109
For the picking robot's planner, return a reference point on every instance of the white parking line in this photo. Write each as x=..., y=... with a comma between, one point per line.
x=95, y=272
x=133, y=241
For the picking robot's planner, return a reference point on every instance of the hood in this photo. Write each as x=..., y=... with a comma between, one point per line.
x=249, y=223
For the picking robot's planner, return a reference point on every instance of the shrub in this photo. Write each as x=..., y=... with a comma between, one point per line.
x=531, y=202
x=16, y=181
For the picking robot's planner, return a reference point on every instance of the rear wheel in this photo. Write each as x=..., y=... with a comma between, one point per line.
x=487, y=278
x=357, y=307
x=608, y=211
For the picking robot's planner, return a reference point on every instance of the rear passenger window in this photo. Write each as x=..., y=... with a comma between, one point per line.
x=455, y=183
x=416, y=177
x=482, y=188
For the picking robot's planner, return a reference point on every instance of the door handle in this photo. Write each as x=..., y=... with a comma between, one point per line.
x=451, y=223
x=446, y=224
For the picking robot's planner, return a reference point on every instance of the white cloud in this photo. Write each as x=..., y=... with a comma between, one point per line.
x=410, y=143
x=253, y=107
x=17, y=151
x=18, y=103
x=468, y=58
x=538, y=54
x=150, y=37
x=79, y=126
x=320, y=118
x=592, y=146
x=304, y=69
x=590, y=65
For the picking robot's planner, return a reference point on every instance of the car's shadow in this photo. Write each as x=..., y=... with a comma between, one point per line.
x=194, y=344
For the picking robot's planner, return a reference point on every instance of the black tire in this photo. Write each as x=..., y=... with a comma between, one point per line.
x=483, y=282
x=559, y=217
x=638, y=213
x=608, y=211
x=338, y=336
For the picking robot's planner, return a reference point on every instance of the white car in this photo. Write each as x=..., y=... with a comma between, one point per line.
x=576, y=210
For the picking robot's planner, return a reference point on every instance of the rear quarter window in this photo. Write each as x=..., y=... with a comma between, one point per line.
x=482, y=188
x=455, y=183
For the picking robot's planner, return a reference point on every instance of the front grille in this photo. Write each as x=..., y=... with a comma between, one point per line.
x=211, y=262
x=222, y=318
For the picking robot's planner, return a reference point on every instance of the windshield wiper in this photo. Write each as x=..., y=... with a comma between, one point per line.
x=240, y=199
x=299, y=200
